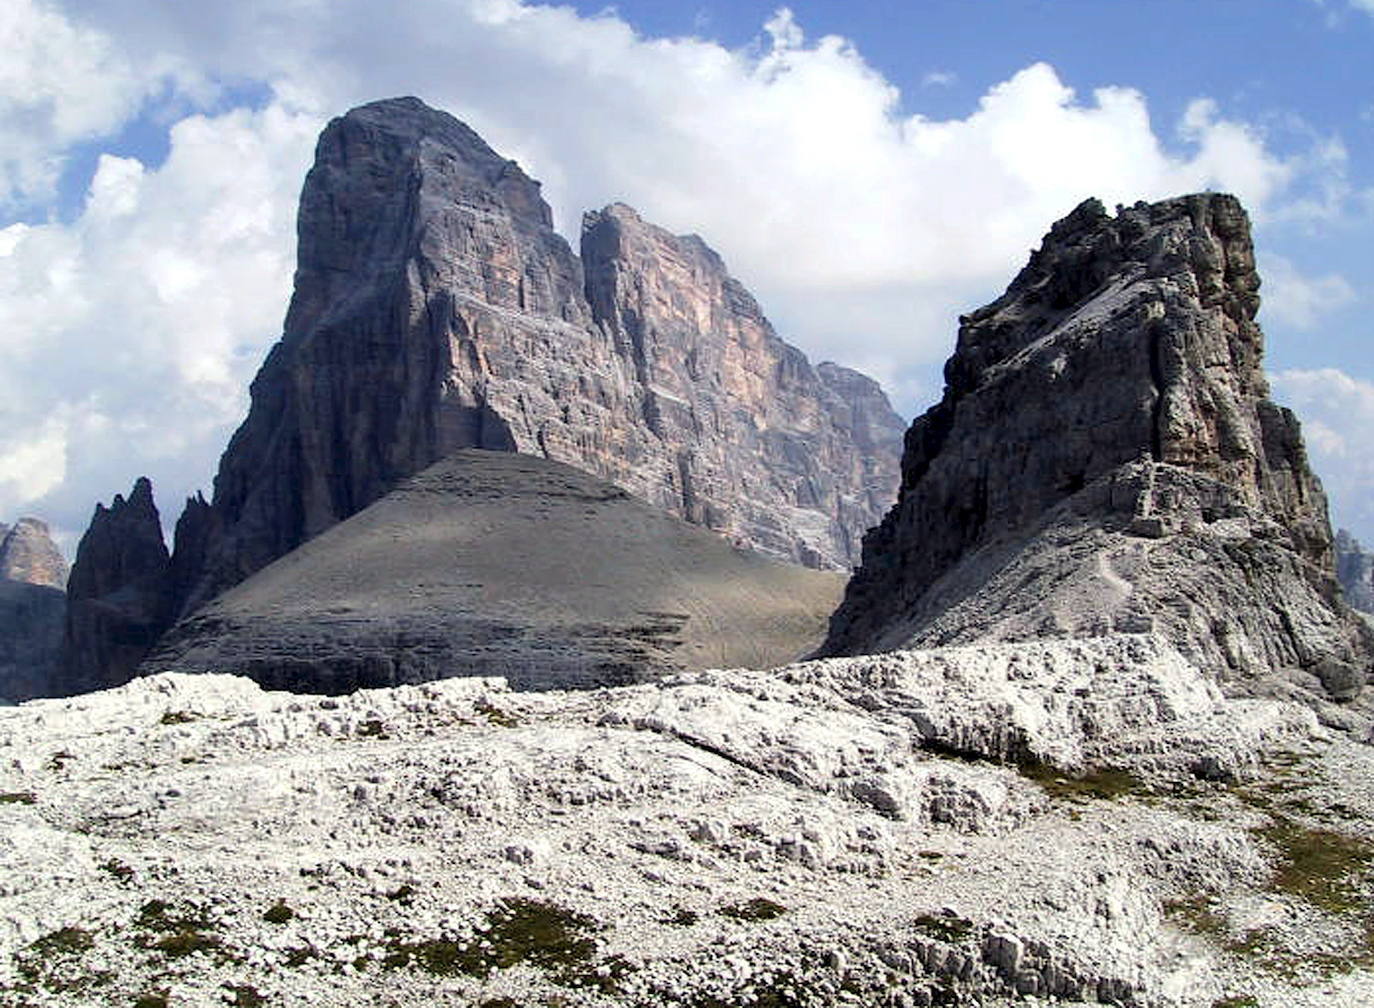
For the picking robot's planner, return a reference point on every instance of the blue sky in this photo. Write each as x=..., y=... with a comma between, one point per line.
x=868, y=169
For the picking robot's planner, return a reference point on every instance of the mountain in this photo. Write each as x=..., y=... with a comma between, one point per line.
x=436, y=309
x=1106, y=458
x=497, y=564
x=1355, y=570
x=33, y=573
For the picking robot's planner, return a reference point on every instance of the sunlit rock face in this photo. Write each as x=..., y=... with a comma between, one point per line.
x=1106, y=457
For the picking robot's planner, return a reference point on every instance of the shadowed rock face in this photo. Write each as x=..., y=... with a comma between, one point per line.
x=492, y=563
x=1105, y=456
x=119, y=595
x=33, y=573
x=436, y=309
x=1355, y=570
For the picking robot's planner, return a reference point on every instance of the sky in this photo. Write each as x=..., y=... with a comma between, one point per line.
x=869, y=170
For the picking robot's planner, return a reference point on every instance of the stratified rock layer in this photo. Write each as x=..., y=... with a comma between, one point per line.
x=492, y=563
x=119, y=595
x=1355, y=570
x=1105, y=457
x=436, y=309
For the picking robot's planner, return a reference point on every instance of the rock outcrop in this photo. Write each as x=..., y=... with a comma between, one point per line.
x=28, y=554
x=493, y=563
x=119, y=594
x=1106, y=457
x=1355, y=571
x=33, y=573
x=436, y=309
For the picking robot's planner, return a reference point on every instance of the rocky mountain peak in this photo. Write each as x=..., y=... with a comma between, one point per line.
x=1355, y=571
x=1105, y=456
x=436, y=309
x=119, y=594
x=28, y=554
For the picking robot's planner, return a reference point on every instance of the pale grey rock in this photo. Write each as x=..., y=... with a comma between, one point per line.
x=654, y=821
x=1105, y=459
x=28, y=554
x=436, y=309
x=1355, y=570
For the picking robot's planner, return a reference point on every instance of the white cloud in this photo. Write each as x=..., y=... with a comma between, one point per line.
x=939, y=78
x=1337, y=413
x=1296, y=300
x=863, y=232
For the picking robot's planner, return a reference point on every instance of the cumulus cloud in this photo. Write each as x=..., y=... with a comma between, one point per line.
x=863, y=230
x=1297, y=300
x=1337, y=413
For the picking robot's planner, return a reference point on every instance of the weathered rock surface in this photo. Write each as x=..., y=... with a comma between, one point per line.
x=28, y=554
x=436, y=309
x=119, y=594
x=803, y=836
x=1106, y=458
x=33, y=573
x=1355, y=571
x=493, y=563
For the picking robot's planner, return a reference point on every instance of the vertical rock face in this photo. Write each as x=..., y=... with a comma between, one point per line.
x=1105, y=457
x=119, y=595
x=436, y=309
x=32, y=606
x=28, y=554
x=1355, y=570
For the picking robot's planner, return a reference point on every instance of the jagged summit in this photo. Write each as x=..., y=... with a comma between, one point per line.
x=436, y=309
x=1106, y=457
x=28, y=554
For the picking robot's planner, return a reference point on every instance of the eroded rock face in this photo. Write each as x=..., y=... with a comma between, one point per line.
x=1106, y=457
x=1355, y=570
x=119, y=595
x=436, y=309
x=28, y=554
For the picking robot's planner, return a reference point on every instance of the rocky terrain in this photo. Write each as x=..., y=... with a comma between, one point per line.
x=436, y=309
x=1072, y=820
x=1355, y=570
x=492, y=563
x=1106, y=458
x=33, y=574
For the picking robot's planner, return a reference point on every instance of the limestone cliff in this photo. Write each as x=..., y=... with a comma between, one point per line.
x=1355, y=570
x=1106, y=456
x=436, y=308
x=32, y=605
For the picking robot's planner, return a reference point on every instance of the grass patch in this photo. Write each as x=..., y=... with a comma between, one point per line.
x=1236, y=1001
x=17, y=798
x=759, y=908
x=54, y=962
x=945, y=927
x=183, y=933
x=279, y=913
x=1196, y=915
x=681, y=917
x=518, y=930
x=497, y=716
x=1102, y=783
x=153, y=1000
x=174, y=717
x=1318, y=865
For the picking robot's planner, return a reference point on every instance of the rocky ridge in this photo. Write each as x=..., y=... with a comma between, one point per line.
x=1355, y=570
x=1106, y=458
x=1086, y=820
x=28, y=554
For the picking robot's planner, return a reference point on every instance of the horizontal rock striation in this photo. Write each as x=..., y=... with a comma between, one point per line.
x=436, y=309
x=1106, y=457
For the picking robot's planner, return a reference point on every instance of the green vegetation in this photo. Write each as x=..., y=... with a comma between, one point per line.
x=17, y=798
x=497, y=716
x=174, y=717
x=946, y=927
x=118, y=869
x=1236, y=1001
x=54, y=963
x=245, y=996
x=279, y=913
x=518, y=930
x=681, y=918
x=154, y=1000
x=1318, y=865
x=182, y=934
x=1099, y=783
x=757, y=909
